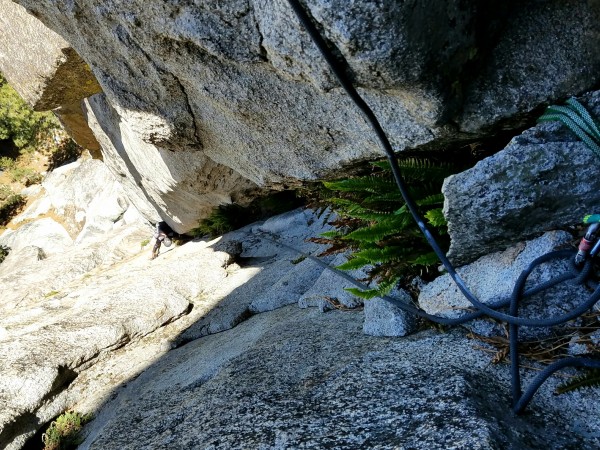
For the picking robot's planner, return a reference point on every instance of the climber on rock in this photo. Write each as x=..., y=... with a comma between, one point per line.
x=162, y=234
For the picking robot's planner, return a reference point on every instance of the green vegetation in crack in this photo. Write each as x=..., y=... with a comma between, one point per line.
x=4, y=251
x=64, y=432
x=374, y=224
x=229, y=217
x=31, y=143
x=587, y=379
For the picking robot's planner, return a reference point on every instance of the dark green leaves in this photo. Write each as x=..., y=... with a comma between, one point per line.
x=375, y=224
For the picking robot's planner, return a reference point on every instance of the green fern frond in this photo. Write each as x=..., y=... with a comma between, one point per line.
x=428, y=259
x=419, y=168
x=384, y=288
x=378, y=255
x=434, y=199
x=370, y=183
x=423, y=190
x=381, y=230
x=332, y=234
x=357, y=211
x=377, y=226
x=435, y=217
x=386, y=197
x=353, y=264
x=590, y=378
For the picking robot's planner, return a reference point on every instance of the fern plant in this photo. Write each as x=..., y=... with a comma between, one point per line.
x=578, y=120
x=375, y=224
x=589, y=378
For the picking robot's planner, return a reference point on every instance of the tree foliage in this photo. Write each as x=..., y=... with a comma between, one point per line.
x=18, y=122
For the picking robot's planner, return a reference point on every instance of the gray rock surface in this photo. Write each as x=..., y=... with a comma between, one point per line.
x=39, y=64
x=84, y=196
x=492, y=278
x=384, y=319
x=45, y=70
x=335, y=286
x=80, y=318
x=297, y=379
x=544, y=54
x=177, y=187
x=544, y=179
x=80, y=324
x=239, y=87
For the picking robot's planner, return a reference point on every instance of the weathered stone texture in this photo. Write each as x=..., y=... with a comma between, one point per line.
x=180, y=186
x=549, y=50
x=240, y=83
x=292, y=379
x=544, y=179
x=40, y=64
x=43, y=68
x=492, y=278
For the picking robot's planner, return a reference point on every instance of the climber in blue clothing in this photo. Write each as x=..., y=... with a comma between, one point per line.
x=162, y=234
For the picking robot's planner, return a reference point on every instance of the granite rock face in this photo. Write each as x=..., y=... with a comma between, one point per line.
x=492, y=278
x=177, y=187
x=240, y=87
x=39, y=64
x=205, y=347
x=292, y=379
x=45, y=70
x=545, y=52
x=544, y=179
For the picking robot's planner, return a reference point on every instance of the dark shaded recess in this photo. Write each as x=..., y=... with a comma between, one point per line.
x=8, y=148
x=26, y=421
x=487, y=25
x=460, y=152
x=65, y=377
x=232, y=216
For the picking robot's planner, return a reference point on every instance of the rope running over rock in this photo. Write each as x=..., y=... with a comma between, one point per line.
x=520, y=400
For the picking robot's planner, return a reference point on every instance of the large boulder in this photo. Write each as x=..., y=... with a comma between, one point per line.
x=492, y=278
x=544, y=179
x=240, y=85
x=177, y=187
x=40, y=64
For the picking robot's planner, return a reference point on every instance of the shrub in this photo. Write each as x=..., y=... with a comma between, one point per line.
x=63, y=433
x=25, y=175
x=18, y=122
x=7, y=163
x=5, y=192
x=11, y=207
x=4, y=251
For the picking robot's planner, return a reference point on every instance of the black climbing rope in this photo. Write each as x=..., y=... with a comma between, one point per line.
x=520, y=400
